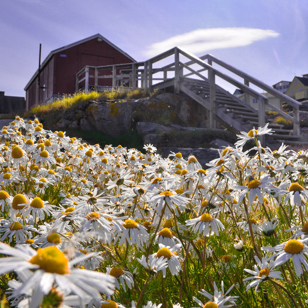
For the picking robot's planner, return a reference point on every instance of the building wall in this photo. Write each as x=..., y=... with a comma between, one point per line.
x=59, y=74
x=11, y=104
x=69, y=62
x=295, y=87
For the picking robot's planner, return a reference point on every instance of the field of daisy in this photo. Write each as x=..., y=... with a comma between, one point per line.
x=89, y=226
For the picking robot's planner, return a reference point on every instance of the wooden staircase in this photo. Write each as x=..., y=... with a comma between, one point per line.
x=232, y=112
x=198, y=79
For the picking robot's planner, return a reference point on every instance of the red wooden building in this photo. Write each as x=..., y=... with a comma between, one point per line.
x=59, y=69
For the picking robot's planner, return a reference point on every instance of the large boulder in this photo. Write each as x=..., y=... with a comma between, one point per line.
x=111, y=118
x=203, y=155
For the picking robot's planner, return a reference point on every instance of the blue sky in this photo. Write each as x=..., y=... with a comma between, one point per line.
x=269, y=42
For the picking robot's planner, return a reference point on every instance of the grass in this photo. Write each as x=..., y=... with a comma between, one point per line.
x=201, y=138
x=75, y=100
x=131, y=139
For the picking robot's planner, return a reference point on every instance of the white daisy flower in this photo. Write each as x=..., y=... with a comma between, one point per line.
x=166, y=237
x=122, y=277
x=171, y=257
x=133, y=233
x=262, y=271
x=153, y=264
x=41, y=270
x=295, y=249
x=206, y=224
x=297, y=195
x=16, y=229
x=252, y=134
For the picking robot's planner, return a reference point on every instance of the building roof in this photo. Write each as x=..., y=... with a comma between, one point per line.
x=72, y=45
x=280, y=82
x=303, y=80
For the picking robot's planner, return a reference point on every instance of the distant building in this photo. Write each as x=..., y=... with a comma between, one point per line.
x=282, y=86
x=59, y=69
x=11, y=104
x=298, y=88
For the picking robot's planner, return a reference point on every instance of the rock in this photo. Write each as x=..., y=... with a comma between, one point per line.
x=113, y=119
x=63, y=124
x=203, y=155
x=154, y=139
x=85, y=125
x=146, y=128
x=220, y=144
x=74, y=125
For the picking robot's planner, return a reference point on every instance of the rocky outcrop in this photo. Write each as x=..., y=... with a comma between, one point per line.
x=114, y=118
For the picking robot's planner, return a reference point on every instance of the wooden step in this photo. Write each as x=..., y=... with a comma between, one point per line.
x=285, y=136
x=294, y=142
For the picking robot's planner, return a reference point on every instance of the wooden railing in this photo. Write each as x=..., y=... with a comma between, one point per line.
x=144, y=75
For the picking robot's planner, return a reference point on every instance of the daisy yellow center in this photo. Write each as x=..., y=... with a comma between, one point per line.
x=29, y=241
x=44, y=154
x=19, y=199
x=264, y=272
x=164, y=252
x=130, y=224
x=4, y=195
x=204, y=203
x=116, y=272
x=254, y=184
x=206, y=217
x=38, y=129
x=166, y=193
x=210, y=305
x=41, y=147
x=157, y=180
x=93, y=216
x=104, y=160
x=47, y=143
x=226, y=151
x=220, y=162
x=304, y=229
x=51, y=172
x=60, y=134
x=17, y=152
x=253, y=133
x=89, y=153
x=68, y=169
x=69, y=210
x=184, y=171
x=226, y=258
x=15, y=226
x=54, y=238
x=147, y=224
x=7, y=176
x=192, y=160
x=165, y=233
x=178, y=166
x=168, y=223
x=52, y=260
x=296, y=187
x=179, y=155
x=293, y=247
x=202, y=171
x=110, y=304
x=37, y=203
x=92, y=200
x=29, y=142
x=83, y=251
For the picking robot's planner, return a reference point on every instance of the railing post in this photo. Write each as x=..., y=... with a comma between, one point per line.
x=114, y=77
x=77, y=83
x=176, y=71
x=212, y=98
x=134, y=76
x=86, y=88
x=150, y=71
x=261, y=117
x=165, y=75
x=145, y=75
x=96, y=79
x=246, y=95
x=296, y=127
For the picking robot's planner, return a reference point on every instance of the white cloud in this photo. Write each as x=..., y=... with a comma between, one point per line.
x=203, y=40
